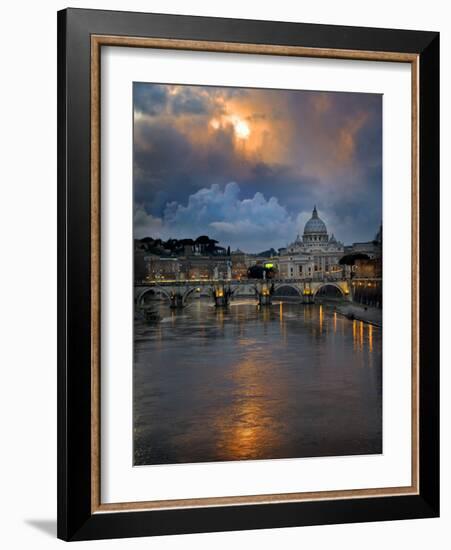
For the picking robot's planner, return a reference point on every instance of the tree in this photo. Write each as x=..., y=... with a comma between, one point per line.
x=350, y=259
x=258, y=271
x=255, y=272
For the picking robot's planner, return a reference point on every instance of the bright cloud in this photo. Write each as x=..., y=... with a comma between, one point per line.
x=253, y=224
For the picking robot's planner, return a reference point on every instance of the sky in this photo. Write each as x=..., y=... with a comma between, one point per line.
x=246, y=166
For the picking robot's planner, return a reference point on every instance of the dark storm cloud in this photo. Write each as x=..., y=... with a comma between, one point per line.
x=298, y=148
x=166, y=162
x=188, y=102
x=149, y=99
x=153, y=99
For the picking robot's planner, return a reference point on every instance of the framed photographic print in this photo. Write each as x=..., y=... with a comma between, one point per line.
x=248, y=274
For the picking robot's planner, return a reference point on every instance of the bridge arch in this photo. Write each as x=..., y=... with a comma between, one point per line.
x=330, y=284
x=246, y=290
x=155, y=289
x=188, y=293
x=279, y=286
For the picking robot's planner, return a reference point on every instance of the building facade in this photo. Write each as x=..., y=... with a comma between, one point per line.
x=314, y=256
x=186, y=268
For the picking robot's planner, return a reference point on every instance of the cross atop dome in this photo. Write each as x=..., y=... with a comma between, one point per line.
x=315, y=212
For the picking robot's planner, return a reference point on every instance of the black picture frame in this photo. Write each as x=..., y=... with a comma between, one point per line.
x=76, y=521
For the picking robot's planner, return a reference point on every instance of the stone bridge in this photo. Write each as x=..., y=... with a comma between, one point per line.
x=178, y=292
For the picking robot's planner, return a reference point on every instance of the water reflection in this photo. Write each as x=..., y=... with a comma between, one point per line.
x=245, y=382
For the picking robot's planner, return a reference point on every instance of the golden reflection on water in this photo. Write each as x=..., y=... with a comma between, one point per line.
x=246, y=430
x=283, y=331
x=262, y=389
x=220, y=315
x=360, y=343
x=249, y=427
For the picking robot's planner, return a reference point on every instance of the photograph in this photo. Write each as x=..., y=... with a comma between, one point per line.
x=257, y=242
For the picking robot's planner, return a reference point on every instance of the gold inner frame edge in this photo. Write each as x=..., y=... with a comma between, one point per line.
x=97, y=41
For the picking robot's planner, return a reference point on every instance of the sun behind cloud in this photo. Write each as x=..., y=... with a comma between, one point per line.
x=242, y=130
x=240, y=127
x=297, y=145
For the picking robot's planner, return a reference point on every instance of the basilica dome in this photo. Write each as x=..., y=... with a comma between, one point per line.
x=315, y=225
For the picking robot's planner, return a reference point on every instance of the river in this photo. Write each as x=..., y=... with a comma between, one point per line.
x=280, y=381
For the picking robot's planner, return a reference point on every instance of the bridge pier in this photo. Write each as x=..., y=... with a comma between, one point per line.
x=176, y=300
x=221, y=296
x=264, y=300
x=307, y=296
x=307, y=293
x=264, y=295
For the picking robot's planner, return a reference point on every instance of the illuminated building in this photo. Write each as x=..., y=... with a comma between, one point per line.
x=315, y=255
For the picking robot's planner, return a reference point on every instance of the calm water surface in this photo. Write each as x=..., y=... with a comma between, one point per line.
x=282, y=381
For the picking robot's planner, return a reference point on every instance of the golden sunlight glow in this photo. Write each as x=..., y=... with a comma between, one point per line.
x=242, y=130
x=214, y=122
x=240, y=126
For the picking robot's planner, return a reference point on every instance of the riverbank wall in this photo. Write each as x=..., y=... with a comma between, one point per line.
x=367, y=314
x=367, y=292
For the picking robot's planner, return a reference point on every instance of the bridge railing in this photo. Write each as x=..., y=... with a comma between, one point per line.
x=204, y=282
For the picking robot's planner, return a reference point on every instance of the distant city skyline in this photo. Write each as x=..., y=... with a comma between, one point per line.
x=246, y=166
